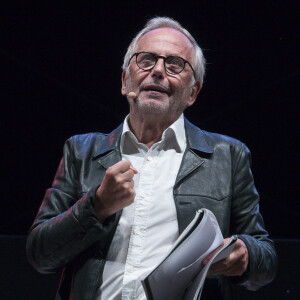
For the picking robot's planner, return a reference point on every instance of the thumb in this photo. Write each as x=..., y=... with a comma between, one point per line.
x=133, y=169
x=211, y=254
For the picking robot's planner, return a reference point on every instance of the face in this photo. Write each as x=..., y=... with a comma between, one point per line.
x=157, y=91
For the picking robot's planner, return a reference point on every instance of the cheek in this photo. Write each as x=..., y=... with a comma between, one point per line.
x=179, y=83
x=136, y=79
x=181, y=90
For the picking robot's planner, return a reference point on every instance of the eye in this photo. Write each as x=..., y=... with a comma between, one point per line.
x=146, y=60
x=175, y=61
x=174, y=64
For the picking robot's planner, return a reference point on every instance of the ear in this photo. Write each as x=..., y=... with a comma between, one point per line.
x=195, y=90
x=123, y=79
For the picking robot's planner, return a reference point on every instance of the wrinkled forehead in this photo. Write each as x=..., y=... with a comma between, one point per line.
x=166, y=41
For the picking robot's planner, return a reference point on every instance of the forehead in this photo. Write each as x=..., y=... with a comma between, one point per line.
x=166, y=41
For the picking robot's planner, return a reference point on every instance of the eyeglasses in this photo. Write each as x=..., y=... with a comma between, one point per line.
x=173, y=64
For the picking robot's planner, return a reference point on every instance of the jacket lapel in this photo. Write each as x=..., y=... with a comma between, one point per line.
x=196, y=147
x=108, y=152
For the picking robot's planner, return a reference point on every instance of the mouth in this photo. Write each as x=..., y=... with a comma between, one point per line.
x=155, y=88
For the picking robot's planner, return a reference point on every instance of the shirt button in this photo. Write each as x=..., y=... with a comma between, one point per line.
x=143, y=196
x=137, y=232
x=131, y=269
x=149, y=158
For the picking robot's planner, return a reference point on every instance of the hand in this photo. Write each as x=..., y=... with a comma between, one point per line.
x=116, y=190
x=234, y=265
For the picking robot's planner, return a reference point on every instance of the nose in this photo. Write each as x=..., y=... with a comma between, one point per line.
x=159, y=68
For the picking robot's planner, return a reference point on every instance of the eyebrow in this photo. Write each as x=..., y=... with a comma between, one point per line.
x=155, y=53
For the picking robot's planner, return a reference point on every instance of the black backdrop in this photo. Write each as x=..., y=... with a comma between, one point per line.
x=60, y=76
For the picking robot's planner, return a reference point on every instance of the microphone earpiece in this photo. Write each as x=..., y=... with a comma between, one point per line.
x=132, y=95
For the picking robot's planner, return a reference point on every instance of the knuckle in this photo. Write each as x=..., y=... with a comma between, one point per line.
x=118, y=180
x=126, y=185
x=131, y=196
x=125, y=164
x=109, y=172
x=225, y=262
x=111, y=168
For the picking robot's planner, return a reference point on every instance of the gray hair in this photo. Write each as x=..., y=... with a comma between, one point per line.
x=165, y=22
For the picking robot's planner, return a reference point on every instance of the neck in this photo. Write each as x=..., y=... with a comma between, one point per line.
x=149, y=129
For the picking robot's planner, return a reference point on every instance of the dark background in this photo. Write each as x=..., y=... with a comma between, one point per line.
x=60, y=70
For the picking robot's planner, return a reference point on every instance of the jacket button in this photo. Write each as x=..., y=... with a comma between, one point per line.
x=99, y=254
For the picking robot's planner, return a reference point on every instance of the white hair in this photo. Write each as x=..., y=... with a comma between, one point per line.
x=166, y=22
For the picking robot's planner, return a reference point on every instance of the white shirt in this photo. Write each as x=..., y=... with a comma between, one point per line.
x=148, y=228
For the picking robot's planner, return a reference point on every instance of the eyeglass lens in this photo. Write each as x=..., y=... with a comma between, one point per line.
x=173, y=64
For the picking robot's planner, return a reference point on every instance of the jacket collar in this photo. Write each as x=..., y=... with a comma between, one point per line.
x=195, y=140
x=109, y=142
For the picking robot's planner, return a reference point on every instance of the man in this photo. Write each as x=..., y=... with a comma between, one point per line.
x=119, y=201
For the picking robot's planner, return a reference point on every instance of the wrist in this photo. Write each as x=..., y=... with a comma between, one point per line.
x=102, y=210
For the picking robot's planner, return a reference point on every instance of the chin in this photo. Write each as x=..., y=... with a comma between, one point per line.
x=153, y=106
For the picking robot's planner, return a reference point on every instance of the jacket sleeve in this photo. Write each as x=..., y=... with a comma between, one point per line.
x=248, y=224
x=65, y=225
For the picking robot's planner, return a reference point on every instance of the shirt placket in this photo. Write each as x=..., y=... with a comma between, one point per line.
x=141, y=217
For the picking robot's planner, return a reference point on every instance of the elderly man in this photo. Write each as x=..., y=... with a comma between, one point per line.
x=119, y=201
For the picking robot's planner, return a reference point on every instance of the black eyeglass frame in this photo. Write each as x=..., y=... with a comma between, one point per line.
x=164, y=58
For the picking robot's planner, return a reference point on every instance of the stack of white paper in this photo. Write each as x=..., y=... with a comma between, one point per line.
x=181, y=274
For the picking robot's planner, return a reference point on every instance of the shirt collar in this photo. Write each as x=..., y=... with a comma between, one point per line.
x=175, y=133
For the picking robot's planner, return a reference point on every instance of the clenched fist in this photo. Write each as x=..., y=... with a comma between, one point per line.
x=116, y=190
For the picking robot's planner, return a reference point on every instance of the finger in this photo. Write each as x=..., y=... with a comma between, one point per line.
x=127, y=176
x=124, y=165
x=120, y=167
x=210, y=255
x=234, y=269
x=128, y=185
x=217, y=267
x=127, y=196
x=234, y=265
x=233, y=272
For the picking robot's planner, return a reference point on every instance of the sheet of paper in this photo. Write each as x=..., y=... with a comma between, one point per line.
x=170, y=279
x=195, y=290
